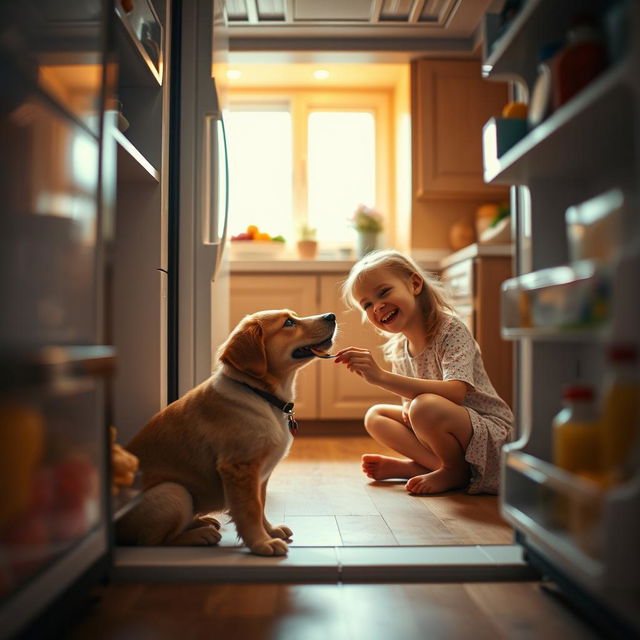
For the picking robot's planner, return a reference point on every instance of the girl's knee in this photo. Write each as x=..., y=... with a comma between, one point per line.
x=373, y=419
x=427, y=409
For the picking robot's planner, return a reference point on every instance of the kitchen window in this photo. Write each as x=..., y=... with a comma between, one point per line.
x=307, y=159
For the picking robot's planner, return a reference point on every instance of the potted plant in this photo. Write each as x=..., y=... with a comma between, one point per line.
x=368, y=224
x=307, y=244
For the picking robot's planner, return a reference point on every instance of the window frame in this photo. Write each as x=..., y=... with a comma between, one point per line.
x=302, y=102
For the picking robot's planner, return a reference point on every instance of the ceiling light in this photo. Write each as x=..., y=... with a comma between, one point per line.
x=321, y=74
x=233, y=74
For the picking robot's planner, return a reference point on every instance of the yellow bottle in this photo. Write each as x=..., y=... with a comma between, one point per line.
x=576, y=447
x=575, y=431
x=620, y=422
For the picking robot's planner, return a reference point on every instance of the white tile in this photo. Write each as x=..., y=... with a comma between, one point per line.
x=223, y=564
x=314, y=531
x=427, y=564
x=323, y=564
x=504, y=553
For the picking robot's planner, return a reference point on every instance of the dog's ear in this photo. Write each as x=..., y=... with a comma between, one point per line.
x=244, y=350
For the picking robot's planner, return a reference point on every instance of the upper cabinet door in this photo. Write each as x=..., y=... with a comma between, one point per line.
x=450, y=104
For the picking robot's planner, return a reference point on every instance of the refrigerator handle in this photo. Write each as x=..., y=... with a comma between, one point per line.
x=216, y=187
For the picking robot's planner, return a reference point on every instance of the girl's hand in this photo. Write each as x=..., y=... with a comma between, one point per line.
x=360, y=361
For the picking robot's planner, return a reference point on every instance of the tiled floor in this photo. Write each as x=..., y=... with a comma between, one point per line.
x=320, y=492
x=348, y=528
x=367, y=561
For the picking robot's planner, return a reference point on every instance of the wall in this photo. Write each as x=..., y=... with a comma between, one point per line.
x=431, y=221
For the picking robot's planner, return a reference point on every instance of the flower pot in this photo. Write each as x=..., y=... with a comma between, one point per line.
x=366, y=241
x=307, y=249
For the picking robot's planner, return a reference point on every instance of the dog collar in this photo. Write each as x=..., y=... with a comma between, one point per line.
x=285, y=407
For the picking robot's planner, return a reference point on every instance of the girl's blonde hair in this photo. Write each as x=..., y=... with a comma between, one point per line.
x=432, y=297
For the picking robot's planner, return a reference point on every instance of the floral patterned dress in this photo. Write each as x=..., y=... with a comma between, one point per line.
x=455, y=355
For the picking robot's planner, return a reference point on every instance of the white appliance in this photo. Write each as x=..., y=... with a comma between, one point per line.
x=55, y=355
x=201, y=289
x=575, y=293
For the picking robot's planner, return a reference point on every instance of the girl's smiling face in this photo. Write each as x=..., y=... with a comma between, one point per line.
x=389, y=300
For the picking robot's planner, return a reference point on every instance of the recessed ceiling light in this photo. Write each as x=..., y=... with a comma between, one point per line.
x=233, y=74
x=320, y=74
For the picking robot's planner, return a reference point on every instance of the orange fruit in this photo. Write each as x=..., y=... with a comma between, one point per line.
x=515, y=110
x=487, y=211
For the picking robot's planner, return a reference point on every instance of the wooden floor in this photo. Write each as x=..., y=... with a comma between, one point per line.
x=320, y=492
x=477, y=611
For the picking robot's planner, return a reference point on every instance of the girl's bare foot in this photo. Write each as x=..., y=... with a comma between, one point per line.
x=437, y=481
x=381, y=467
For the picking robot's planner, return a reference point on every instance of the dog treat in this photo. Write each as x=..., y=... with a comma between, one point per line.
x=321, y=354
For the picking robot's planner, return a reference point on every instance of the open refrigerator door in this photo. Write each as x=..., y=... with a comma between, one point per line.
x=572, y=305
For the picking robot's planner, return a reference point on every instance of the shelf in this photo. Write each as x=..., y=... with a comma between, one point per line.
x=132, y=165
x=559, y=302
x=42, y=366
x=127, y=498
x=561, y=511
x=559, y=480
x=514, y=55
x=136, y=66
x=556, y=335
x=603, y=106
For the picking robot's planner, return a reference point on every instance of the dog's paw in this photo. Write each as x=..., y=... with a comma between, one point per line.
x=200, y=536
x=270, y=547
x=281, y=531
x=208, y=520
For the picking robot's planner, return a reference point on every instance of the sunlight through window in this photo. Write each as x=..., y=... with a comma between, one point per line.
x=260, y=169
x=310, y=169
x=341, y=169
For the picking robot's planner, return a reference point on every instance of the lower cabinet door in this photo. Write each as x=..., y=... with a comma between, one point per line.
x=251, y=293
x=343, y=394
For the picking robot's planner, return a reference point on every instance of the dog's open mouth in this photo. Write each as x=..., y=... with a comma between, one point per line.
x=306, y=352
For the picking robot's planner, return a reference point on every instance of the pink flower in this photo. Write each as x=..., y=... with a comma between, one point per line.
x=366, y=218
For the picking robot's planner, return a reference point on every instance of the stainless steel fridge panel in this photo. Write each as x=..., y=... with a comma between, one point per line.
x=203, y=291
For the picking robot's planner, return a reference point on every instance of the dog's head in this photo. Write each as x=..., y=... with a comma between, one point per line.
x=270, y=345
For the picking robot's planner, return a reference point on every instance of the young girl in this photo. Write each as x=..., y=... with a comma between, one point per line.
x=452, y=423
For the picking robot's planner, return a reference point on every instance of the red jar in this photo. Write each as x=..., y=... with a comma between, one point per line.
x=580, y=61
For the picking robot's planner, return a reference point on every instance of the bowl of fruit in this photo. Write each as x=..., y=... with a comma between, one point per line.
x=254, y=244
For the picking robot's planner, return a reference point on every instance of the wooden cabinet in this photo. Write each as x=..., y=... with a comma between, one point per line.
x=474, y=285
x=450, y=105
x=343, y=394
x=251, y=293
x=325, y=390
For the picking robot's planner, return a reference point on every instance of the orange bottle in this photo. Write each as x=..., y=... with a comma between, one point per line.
x=576, y=448
x=575, y=431
x=620, y=422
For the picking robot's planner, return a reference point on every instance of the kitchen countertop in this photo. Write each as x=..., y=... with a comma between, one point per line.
x=428, y=259
x=476, y=250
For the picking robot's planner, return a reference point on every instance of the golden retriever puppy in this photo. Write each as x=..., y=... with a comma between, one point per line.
x=215, y=448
